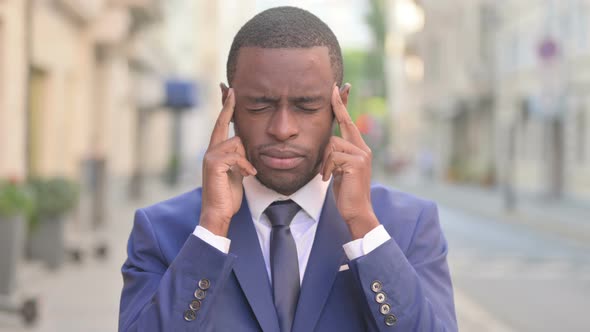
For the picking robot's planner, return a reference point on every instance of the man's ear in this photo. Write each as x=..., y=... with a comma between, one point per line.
x=224, y=90
x=344, y=92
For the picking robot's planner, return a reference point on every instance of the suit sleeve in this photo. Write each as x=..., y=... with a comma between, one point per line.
x=156, y=296
x=409, y=291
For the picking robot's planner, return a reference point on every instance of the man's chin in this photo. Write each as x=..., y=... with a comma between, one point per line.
x=283, y=182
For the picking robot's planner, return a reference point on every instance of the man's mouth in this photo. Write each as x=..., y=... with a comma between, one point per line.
x=281, y=159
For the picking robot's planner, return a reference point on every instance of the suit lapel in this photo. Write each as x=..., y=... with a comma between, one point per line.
x=250, y=269
x=324, y=261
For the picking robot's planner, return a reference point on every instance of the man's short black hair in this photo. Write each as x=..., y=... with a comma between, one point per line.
x=286, y=27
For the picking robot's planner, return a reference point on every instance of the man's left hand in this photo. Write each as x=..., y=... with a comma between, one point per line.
x=348, y=160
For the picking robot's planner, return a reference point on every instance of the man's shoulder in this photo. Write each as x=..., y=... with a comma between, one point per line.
x=185, y=206
x=168, y=223
x=383, y=196
x=402, y=214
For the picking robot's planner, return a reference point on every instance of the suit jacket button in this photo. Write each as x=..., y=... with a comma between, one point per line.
x=385, y=308
x=195, y=305
x=376, y=286
x=200, y=294
x=390, y=320
x=380, y=297
x=190, y=315
x=204, y=284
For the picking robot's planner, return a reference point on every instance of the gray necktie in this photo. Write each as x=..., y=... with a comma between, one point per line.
x=283, y=261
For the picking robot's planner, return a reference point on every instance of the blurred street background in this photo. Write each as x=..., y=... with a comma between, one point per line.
x=481, y=105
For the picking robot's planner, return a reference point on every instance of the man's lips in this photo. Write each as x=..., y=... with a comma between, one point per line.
x=281, y=159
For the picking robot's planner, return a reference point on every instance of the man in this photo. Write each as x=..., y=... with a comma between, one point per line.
x=287, y=233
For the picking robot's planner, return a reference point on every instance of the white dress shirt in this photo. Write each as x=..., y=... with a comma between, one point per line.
x=311, y=199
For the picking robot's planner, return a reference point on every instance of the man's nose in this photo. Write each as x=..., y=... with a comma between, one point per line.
x=283, y=124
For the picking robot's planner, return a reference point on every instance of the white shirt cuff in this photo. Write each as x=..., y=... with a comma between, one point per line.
x=219, y=242
x=360, y=247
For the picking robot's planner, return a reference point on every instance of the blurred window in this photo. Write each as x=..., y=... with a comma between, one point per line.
x=525, y=147
x=434, y=60
x=37, y=94
x=583, y=40
x=484, y=29
x=582, y=135
x=512, y=64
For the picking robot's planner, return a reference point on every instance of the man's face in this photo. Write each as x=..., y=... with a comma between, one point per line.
x=283, y=112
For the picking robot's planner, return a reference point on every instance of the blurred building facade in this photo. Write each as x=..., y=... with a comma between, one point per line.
x=70, y=91
x=12, y=88
x=505, y=94
x=457, y=90
x=403, y=19
x=542, y=85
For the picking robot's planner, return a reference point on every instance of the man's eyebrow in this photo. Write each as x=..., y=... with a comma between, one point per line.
x=262, y=99
x=305, y=99
x=296, y=100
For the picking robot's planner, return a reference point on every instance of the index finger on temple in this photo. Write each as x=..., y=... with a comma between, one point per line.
x=347, y=127
x=221, y=128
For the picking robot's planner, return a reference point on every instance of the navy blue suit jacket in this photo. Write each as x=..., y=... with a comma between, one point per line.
x=165, y=262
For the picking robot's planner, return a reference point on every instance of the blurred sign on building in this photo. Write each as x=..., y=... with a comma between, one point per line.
x=181, y=94
x=550, y=100
x=548, y=49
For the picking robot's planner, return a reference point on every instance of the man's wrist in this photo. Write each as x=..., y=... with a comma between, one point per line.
x=214, y=224
x=360, y=226
x=360, y=247
x=221, y=243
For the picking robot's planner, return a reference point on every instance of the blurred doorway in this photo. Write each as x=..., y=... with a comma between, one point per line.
x=37, y=97
x=555, y=165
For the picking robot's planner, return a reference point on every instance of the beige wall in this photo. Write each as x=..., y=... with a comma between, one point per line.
x=120, y=115
x=89, y=107
x=12, y=88
x=65, y=112
x=158, y=142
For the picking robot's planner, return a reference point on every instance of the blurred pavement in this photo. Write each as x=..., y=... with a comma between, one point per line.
x=524, y=271
x=85, y=297
x=565, y=218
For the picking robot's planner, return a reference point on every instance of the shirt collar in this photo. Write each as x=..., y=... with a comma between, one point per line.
x=310, y=197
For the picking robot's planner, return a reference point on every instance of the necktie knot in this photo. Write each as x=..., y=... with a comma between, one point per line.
x=281, y=213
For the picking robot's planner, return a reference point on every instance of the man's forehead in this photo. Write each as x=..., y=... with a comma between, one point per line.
x=306, y=98
x=273, y=50
x=282, y=59
x=256, y=93
x=272, y=71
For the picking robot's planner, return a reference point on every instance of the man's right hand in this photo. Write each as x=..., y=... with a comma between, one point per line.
x=224, y=167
